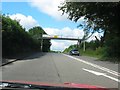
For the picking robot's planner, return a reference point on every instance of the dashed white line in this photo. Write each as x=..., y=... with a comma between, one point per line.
x=101, y=74
x=96, y=66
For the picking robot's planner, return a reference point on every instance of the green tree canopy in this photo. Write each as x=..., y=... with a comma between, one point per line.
x=36, y=33
x=99, y=16
x=15, y=39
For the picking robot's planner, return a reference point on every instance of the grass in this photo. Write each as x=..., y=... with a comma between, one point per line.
x=114, y=60
x=90, y=53
x=98, y=53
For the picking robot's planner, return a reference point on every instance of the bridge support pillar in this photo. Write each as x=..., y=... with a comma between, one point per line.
x=78, y=44
x=41, y=44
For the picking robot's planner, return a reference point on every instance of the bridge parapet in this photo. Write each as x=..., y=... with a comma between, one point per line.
x=59, y=37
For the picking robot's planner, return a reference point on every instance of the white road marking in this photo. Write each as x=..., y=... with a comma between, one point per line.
x=96, y=66
x=94, y=72
x=101, y=74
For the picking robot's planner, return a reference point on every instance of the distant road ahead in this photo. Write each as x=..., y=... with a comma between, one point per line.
x=60, y=68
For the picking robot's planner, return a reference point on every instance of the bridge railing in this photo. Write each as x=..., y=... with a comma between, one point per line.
x=60, y=36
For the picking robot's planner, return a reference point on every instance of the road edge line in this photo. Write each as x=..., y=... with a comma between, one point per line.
x=95, y=65
x=8, y=62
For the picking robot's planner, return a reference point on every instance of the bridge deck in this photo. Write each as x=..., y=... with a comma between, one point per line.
x=60, y=38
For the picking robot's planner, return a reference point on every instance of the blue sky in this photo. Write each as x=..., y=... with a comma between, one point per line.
x=43, y=19
x=45, y=14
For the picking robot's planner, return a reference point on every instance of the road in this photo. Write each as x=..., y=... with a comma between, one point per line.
x=60, y=68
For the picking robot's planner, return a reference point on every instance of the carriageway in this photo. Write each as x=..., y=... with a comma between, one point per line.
x=56, y=37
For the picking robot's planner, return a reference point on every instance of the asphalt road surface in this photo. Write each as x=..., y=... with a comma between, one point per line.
x=60, y=68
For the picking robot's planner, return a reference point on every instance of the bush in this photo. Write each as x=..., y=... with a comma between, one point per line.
x=15, y=39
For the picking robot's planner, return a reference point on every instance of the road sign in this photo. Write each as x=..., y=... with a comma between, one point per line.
x=55, y=36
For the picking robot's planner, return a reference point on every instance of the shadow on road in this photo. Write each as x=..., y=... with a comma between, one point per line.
x=24, y=56
x=34, y=56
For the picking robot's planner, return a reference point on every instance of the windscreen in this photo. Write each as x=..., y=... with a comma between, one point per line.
x=38, y=37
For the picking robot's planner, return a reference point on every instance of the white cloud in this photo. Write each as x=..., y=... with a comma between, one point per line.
x=98, y=35
x=26, y=21
x=67, y=32
x=64, y=32
x=60, y=45
x=29, y=22
x=49, y=7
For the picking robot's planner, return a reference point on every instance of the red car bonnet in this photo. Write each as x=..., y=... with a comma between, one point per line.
x=67, y=84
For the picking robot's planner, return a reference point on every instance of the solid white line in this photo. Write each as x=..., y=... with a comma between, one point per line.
x=115, y=79
x=96, y=66
x=94, y=72
x=101, y=74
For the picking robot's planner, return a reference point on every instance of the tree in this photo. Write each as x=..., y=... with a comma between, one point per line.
x=15, y=39
x=67, y=50
x=99, y=16
x=36, y=33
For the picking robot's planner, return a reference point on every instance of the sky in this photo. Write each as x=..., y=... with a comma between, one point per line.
x=45, y=13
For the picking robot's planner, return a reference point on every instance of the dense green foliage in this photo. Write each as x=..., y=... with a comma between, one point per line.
x=94, y=44
x=91, y=49
x=100, y=17
x=36, y=33
x=67, y=50
x=15, y=39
